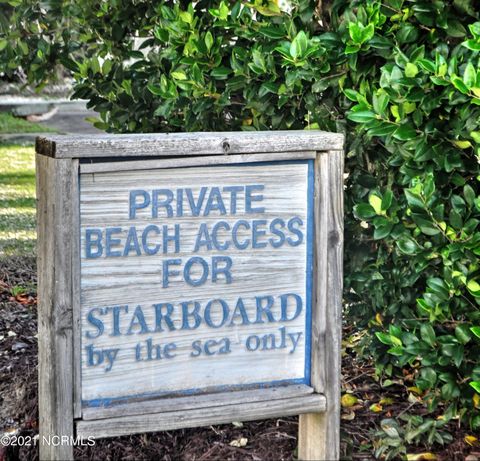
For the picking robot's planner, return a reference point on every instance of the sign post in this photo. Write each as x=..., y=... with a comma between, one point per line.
x=189, y=280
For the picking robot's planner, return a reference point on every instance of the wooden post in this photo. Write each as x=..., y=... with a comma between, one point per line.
x=54, y=214
x=319, y=433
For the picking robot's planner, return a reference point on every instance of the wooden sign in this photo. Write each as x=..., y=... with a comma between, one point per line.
x=187, y=280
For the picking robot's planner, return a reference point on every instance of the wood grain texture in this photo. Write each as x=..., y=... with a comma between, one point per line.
x=136, y=280
x=319, y=434
x=54, y=192
x=196, y=401
x=63, y=302
x=334, y=305
x=193, y=161
x=319, y=295
x=312, y=437
x=189, y=144
x=200, y=417
x=76, y=279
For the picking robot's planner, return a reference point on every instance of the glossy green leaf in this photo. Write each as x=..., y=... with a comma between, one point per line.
x=383, y=231
x=473, y=45
x=407, y=246
x=469, y=195
x=405, y=132
x=462, y=332
x=364, y=211
x=384, y=338
x=220, y=72
x=459, y=84
x=469, y=76
x=411, y=70
x=179, y=75
x=428, y=334
x=376, y=203
x=299, y=45
x=361, y=116
x=208, y=40
x=360, y=33
x=476, y=386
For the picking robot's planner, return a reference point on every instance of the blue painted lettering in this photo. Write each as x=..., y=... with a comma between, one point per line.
x=249, y=198
x=215, y=202
x=97, y=323
x=264, y=305
x=284, y=306
x=154, y=351
x=277, y=243
x=164, y=203
x=220, y=225
x=138, y=320
x=256, y=342
x=147, y=249
x=134, y=206
x=257, y=233
x=166, y=272
x=96, y=243
x=208, y=313
x=211, y=347
x=179, y=203
x=110, y=242
x=240, y=312
x=197, y=348
x=116, y=318
x=171, y=238
x=203, y=238
x=159, y=316
x=234, y=190
x=236, y=226
x=196, y=207
x=225, y=270
x=186, y=314
x=294, y=230
x=96, y=357
x=187, y=270
x=132, y=242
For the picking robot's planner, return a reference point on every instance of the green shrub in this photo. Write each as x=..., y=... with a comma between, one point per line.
x=34, y=38
x=400, y=77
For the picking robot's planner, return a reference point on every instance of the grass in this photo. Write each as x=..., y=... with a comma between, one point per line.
x=17, y=200
x=10, y=124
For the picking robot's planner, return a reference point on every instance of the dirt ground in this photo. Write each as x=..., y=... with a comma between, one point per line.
x=267, y=440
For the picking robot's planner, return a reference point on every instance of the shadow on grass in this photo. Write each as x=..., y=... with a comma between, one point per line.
x=16, y=222
x=20, y=202
x=17, y=201
x=10, y=247
x=17, y=178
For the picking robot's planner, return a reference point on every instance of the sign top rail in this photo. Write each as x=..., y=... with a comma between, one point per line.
x=186, y=144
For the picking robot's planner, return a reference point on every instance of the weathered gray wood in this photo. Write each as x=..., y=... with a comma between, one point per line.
x=334, y=305
x=77, y=364
x=319, y=434
x=193, y=161
x=319, y=286
x=59, y=287
x=196, y=402
x=180, y=144
x=135, y=281
x=200, y=417
x=54, y=192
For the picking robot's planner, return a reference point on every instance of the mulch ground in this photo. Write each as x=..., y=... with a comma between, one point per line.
x=273, y=439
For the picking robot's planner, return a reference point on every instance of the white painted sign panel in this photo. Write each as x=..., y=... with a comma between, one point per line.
x=195, y=279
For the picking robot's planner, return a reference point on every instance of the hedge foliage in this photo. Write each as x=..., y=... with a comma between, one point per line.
x=400, y=77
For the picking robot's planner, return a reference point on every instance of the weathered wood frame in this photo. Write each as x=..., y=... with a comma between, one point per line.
x=59, y=161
